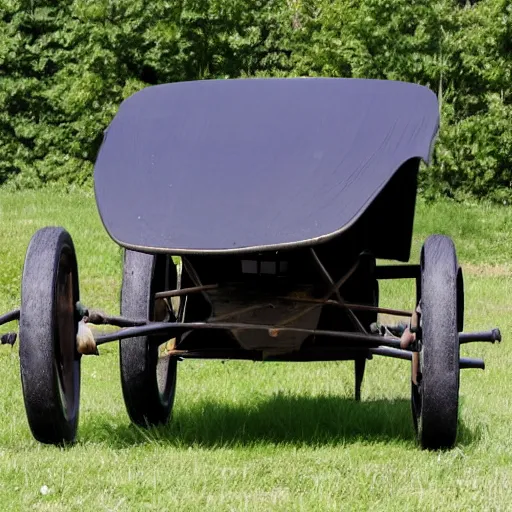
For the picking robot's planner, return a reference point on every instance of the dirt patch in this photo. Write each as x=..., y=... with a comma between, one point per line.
x=487, y=270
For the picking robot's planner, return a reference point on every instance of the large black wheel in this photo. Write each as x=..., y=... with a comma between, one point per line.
x=148, y=378
x=50, y=363
x=435, y=395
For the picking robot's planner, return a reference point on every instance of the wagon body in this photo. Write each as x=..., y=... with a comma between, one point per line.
x=252, y=214
x=242, y=178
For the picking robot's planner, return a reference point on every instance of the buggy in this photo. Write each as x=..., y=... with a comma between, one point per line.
x=252, y=213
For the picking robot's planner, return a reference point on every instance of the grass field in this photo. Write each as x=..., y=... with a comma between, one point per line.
x=271, y=436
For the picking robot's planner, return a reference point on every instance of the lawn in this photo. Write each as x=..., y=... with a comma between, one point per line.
x=263, y=436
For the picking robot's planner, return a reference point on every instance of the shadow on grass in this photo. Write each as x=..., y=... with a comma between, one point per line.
x=281, y=419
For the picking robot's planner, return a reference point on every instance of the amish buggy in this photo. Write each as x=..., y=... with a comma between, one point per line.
x=252, y=213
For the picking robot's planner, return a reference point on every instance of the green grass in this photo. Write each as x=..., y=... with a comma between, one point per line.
x=271, y=436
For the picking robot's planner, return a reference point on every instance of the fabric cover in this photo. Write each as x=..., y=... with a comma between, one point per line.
x=239, y=165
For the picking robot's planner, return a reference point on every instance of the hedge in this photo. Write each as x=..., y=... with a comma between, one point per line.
x=65, y=66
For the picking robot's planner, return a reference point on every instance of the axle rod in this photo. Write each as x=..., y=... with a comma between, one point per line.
x=464, y=362
x=185, y=291
x=174, y=328
x=491, y=336
x=99, y=318
x=9, y=317
x=347, y=305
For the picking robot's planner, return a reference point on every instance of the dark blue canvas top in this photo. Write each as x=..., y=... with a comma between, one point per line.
x=230, y=165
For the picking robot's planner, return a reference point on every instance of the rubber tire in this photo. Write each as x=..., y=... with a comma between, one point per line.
x=143, y=374
x=49, y=361
x=435, y=400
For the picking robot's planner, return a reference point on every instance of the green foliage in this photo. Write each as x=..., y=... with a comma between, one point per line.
x=65, y=67
x=474, y=155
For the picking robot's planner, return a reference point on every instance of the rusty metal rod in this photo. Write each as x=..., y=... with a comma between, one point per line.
x=345, y=278
x=250, y=355
x=377, y=309
x=347, y=305
x=99, y=318
x=9, y=317
x=335, y=288
x=321, y=354
x=185, y=291
x=155, y=328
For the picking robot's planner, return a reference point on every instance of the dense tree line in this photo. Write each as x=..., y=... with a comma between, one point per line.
x=66, y=65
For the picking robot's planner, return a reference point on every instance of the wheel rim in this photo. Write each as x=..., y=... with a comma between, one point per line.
x=162, y=311
x=165, y=378
x=65, y=348
x=417, y=398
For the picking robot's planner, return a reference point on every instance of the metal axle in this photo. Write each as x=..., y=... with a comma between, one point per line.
x=9, y=317
x=174, y=328
x=464, y=362
x=491, y=336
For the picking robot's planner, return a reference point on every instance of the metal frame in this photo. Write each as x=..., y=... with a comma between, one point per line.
x=352, y=344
